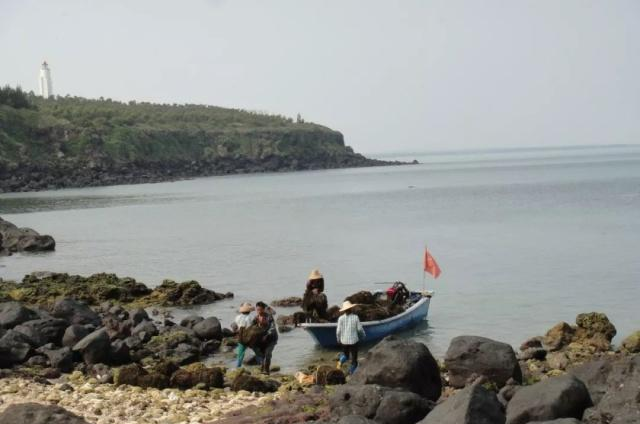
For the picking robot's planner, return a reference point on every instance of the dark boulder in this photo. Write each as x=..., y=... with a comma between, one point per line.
x=556, y=397
x=381, y=404
x=401, y=363
x=37, y=413
x=75, y=312
x=616, y=391
x=473, y=405
x=144, y=331
x=469, y=357
x=73, y=334
x=61, y=359
x=198, y=375
x=95, y=347
x=116, y=328
x=138, y=315
x=37, y=361
x=208, y=329
x=400, y=407
x=15, y=348
x=190, y=321
x=253, y=384
x=43, y=331
x=13, y=313
x=119, y=353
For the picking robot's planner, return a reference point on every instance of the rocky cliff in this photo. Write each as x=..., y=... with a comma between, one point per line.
x=76, y=142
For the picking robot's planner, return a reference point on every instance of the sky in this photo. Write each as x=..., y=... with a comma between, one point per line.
x=392, y=76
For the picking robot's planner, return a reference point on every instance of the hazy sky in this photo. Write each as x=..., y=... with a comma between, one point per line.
x=391, y=75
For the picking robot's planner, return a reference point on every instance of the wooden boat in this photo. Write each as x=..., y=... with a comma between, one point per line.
x=325, y=333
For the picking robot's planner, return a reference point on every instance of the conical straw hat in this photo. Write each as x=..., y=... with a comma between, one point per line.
x=245, y=307
x=347, y=305
x=315, y=275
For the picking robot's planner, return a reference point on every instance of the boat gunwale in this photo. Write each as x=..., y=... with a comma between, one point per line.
x=425, y=299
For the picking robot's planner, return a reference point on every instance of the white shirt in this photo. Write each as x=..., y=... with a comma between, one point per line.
x=244, y=320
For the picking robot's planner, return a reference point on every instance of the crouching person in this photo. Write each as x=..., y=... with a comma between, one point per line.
x=349, y=333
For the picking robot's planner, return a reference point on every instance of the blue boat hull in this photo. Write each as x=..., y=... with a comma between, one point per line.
x=325, y=334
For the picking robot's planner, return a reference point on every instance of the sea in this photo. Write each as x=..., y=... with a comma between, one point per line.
x=525, y=238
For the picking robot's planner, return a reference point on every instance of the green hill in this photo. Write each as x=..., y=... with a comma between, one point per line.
x=74, y=142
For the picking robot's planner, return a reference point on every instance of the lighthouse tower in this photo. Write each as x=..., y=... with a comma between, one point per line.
x=46, y=88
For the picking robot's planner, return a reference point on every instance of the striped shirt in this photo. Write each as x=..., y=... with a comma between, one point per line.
x=349, y=330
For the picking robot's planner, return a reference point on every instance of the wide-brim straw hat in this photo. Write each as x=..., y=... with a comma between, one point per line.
x=315, y=275
x=347, y=305
x=245, y=307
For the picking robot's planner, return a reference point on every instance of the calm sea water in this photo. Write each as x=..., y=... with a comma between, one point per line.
x=525, y=238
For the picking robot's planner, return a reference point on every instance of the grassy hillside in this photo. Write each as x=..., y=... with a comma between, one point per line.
x=72, y=141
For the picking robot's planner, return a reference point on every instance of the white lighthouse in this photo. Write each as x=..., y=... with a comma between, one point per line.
x=46, y=88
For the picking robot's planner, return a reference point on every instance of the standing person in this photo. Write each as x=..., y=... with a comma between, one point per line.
x=243, y=321
x=264, y=320
x=349, y=332
x=314, y=301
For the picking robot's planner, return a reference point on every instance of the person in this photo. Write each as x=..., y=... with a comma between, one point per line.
x=314, y=301
x=349, y=333
x=243, y=320
x=264, y=347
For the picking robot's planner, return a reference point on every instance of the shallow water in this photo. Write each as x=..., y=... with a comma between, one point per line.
x=525, y=238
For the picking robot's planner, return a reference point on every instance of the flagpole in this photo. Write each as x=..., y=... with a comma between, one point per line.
x=424, y=272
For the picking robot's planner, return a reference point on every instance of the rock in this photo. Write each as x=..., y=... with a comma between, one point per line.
x=119, y=353
x=101, y=372
x=190, y=320
x=556, y=397
x=506, y=393
x=37, y=361
x=13, y=313
x=135, y=375
x=288, y=302
x=43, y=331
x=401, y=363
x=558, y=336
x=95, y=347
x=537, y=353
x=208, y=329
x=197, y=375
x=250, y=383
x=116, y=328
x=61, y=359
x=474, y=404
x=558, y=360
x=145, y=331
x=15, y=348
x=595, y=323
x=632, y=343
x=615, y=387
x=361, y=399
x=188, y=293
x=209, y=347
x=533, y=342
x=138, y=315
x=355, y=419
x=75, y=312
x=558, y=421
x=400, y=407
x=36, y=413
x=50, y=373
x=73, y=334
x=326, y=375
x=470, y=356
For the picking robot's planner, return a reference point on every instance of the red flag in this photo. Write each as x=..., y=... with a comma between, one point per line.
x=430, y=264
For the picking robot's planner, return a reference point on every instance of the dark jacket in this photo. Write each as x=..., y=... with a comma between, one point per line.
x=270, y=330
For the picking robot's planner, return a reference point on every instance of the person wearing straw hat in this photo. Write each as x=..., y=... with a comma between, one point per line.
x=314, y=301
x=243, y=320
x=349, y=332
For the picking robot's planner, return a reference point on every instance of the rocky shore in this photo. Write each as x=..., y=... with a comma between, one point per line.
x=110, y=361
x=73, y=173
